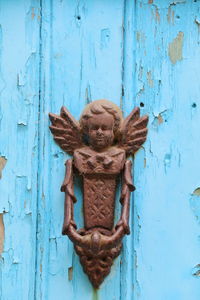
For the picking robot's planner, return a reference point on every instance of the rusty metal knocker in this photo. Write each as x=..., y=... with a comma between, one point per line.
x=100, y=144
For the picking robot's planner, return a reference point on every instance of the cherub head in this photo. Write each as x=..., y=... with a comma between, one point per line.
x=100, y=122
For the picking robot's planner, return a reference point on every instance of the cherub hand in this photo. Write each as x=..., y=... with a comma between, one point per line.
x=63, y=187
x=66, y=226
x=68, y=189
x=123, y=222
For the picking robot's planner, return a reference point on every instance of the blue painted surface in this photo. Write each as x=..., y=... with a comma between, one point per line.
x=167, y=82
x=19, y=102
x=143, y=53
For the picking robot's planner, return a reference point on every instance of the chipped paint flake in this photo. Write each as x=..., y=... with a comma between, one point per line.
x=170, y=16
x=149, y=79
x=145, y=162
x=176, y=47
x=140, y=72
x=157, y=16
x=2, y=233
x=195, y=203
x=105, y=37
x=22, y=123
x=3, y=162
x=160, y=119
x=32, y=13
x=196, y=192
x=177, y=2
x=197, y=21
x=140, y=36
x=70, y=273
x=196, y=271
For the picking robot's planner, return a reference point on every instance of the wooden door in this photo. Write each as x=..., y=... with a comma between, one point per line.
x=142, y=53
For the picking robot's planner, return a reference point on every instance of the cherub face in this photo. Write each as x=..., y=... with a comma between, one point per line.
x=100, y=131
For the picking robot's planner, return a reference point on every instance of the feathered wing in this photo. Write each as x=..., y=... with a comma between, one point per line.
x=133, y=132
x=66, y=131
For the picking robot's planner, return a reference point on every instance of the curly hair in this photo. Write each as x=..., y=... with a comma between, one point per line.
x=100, y=107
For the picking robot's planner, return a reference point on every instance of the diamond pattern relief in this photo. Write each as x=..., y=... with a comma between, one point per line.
x=99, y=202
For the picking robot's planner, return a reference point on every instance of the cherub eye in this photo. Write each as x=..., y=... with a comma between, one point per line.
x=94, y=127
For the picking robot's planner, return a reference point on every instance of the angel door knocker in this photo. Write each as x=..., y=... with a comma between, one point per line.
x=100, y=144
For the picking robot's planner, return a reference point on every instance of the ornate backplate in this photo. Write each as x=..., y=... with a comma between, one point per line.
x=100, y=143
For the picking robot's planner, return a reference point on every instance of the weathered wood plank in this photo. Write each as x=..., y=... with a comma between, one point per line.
x=19, y=94
x=145, y=54
x=128, y=103
x=82, y=50
x=167, y=171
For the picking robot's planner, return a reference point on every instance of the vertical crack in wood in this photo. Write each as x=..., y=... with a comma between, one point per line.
x=39, y=150
x=127, y=100
x=2, y=233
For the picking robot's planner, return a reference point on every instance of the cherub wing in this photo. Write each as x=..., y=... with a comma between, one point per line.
x=66, y=131
x=133, y=132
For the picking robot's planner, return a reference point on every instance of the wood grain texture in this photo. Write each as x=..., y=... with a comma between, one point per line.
x=82, y=49
x=136, y=53
x=19, y=103
x=166, y=238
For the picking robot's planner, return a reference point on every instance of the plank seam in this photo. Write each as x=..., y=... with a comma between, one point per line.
x=39, y=148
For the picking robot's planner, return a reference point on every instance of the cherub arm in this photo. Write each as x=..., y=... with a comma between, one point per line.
x=68, y=188
x=133, y=134
x=127, y=188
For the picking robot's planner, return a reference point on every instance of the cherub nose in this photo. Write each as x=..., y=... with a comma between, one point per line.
x=99, y=130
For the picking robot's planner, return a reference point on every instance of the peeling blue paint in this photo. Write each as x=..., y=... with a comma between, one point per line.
x=136, y=53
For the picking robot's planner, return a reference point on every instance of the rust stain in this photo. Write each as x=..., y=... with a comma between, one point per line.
x=170, y=16
x=176, y=47
x=3, y=162
x=173, y=17
x=70, y=273
x=160, y=119
x=2, y=233
x=149, y=79
x=32, y=13
x=157, y=16
x=150, y=1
